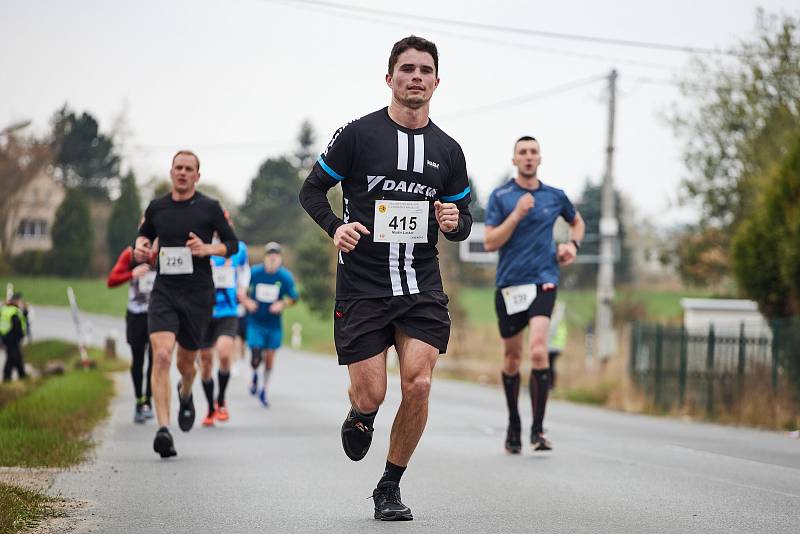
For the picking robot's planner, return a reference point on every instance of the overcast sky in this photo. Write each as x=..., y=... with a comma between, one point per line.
x=233, y=79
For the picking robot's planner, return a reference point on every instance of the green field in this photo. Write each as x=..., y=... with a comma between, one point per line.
x=92, y=294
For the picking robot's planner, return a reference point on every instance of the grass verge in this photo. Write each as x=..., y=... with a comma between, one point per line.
x=49, y=426
x=23, y=509
x=46, y=421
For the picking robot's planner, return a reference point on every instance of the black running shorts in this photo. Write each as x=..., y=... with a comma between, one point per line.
x=241, y=327
x=511, y=325
x=365, y=327
x=219, y=326
x=184, y=312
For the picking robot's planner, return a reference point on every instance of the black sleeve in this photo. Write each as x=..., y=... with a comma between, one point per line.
x=147, y=229
x=225, y=232
x=332, y=167
x=314, y=199
x=457, y=191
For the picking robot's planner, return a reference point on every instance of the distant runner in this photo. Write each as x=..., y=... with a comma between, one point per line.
x=141, y=277
x=272, y=290
x=221, y=333
x=519, y=223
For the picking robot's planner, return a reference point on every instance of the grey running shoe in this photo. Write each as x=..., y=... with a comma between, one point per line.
x=138, y=414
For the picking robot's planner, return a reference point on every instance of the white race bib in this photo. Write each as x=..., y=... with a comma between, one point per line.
x=267, y=293
x=401, y=221
x=146, y=282
x=175, y=260
x=224, y=277
x=518, y=298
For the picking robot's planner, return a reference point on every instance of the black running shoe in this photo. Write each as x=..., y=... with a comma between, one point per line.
x=356, y=436
x=163, y=443
x=513, y=441
x=185, y=411
x=388, y=506
x=540, y=443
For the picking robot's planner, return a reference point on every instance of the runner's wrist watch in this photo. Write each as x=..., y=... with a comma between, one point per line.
x=576, y=243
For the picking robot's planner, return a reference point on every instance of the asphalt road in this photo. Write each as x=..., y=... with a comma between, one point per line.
x=282, y=469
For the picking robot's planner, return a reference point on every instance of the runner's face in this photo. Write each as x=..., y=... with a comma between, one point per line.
x=272, y=262
x=527, y=158
x=184, y=173
x=414, y=78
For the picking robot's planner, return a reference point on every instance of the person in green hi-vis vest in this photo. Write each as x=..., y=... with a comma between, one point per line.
x=13, y=329
x=555, y=346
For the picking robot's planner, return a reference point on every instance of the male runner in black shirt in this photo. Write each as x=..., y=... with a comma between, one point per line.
x=182, y=299
x=403, y=181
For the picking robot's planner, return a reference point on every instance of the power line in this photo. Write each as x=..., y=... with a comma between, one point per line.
x=480, y=38
x=558, y=89
x=525, y=31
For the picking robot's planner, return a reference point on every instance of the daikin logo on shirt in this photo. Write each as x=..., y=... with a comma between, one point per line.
x=400, y=185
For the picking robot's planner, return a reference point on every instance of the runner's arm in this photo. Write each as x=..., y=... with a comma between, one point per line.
x=457, y=191
x=499, y=227
x=314, y=199
x=332, y=167
x=497, y=236
x=226, y=235
x=121, y=272
x=464, y=223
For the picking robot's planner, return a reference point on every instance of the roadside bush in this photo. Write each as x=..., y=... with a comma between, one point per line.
x=30, y=263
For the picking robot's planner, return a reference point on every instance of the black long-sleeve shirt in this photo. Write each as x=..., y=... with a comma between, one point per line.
x=171, y=222
x=376, y=159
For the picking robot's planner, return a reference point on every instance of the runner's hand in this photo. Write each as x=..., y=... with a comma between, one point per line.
x=525, y=204
x=566, y=253
x=250, y=305
x=347, y=235
x=140, y=270
x=276, y=307
x=196, y=244
x=446, y=215
x=142, y=251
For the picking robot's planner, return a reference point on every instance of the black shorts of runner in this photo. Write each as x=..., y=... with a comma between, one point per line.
x=511, y=325
x=241, y=327
x=184, y=312
x=136, y=329
x=219, y=326
x=366, y=327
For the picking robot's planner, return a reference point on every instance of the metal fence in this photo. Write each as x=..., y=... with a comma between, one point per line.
x=676, y=367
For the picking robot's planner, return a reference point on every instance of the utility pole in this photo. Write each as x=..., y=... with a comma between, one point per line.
x=609, y=228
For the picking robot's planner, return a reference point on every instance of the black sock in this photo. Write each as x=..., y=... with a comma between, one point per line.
x=539, y=387
x=392, y=473
x=208, y=388
x=222, y=378
x=511, y=387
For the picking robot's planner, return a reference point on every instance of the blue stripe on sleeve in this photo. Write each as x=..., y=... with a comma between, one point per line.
x=453, y=198
x=330, y=171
